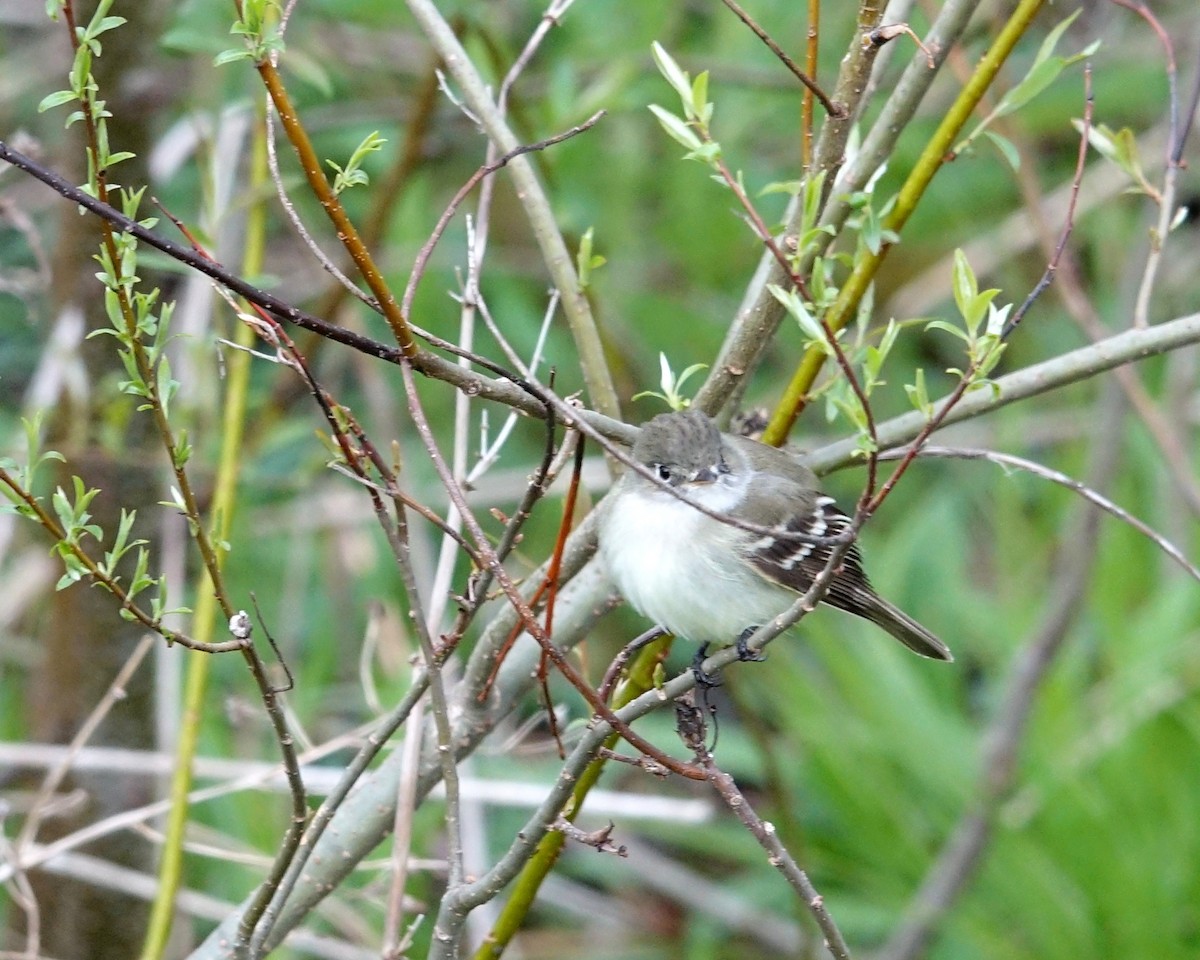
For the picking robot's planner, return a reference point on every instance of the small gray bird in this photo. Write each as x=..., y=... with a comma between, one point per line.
x=710, y=581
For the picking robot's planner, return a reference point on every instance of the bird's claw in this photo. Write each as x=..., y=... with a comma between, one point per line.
x=743, y=650
x=704, y=680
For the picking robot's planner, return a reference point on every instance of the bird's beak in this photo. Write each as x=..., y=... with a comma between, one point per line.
x=704, y=475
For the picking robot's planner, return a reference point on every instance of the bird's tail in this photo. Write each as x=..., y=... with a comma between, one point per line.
x=901, y=626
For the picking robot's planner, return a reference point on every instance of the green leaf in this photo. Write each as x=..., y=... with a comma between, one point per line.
x=871, y=231
x=688, y=374
x=114, y=158
x=918, y=394
x=59, y=97
x=585, y=260
x=676, y=128
x=966, y=287
x=997, y=318
x=232, y=56
x=165, y=386
x=140, y=580
x=790, y=187
x=991, y=355
x=699, y=107
x=1006, y=147
x=948, y=328
x=671, y=386
x=68, y=578
x=119, y=542
x=108, y=23
x=1045, y=70
x=176, y=501
x=801, y=314
x=182, y=451
x=876, y=355
x=811, y=207
x=1119, y=147
x=671, y=72
x=1039, y=77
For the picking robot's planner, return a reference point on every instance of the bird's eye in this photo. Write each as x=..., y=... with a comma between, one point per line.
x=663, y=472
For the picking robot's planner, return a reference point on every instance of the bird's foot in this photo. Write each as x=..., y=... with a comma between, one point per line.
x=706, y=681
x=743, y=651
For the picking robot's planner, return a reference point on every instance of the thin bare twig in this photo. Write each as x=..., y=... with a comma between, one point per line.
x=692, y=729
x=557, y=258
x=1166, y=202
x=1048, y=274
x=375, y=742
x=22, y=893
x=599, y=840
x=1063, y=480
x=54, y=776
x=402, y=830
x=888, y=32
x=832, y=108
x=422, y=258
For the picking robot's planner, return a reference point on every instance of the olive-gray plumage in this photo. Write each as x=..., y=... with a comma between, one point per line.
x=709, y=581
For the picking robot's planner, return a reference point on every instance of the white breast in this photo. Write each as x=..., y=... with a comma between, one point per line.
x=679, y=568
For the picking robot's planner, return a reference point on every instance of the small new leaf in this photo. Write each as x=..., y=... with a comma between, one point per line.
x=176, y=501
x=876, y=355
x=671, y=71
x=672, y=386
x=965, y=284
x=353, y=175
x=699, y=107
x=231, y=55
x=676, y=129
x=1006, y=147
x=182, y=451
x=948, y=328
x=971, y=302
x=918, y=395
x=585, y=260
x=52, y=100
x=1120, y=147
x=800, y=313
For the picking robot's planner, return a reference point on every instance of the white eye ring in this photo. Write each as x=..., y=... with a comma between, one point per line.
x=662, y=471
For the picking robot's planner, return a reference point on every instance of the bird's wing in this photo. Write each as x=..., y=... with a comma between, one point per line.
x=795, y=563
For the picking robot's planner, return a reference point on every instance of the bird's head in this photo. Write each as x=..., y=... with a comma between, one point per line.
x=682, y=449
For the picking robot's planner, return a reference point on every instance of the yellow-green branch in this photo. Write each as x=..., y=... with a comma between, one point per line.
x=932, y=157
